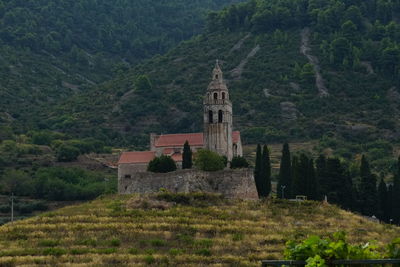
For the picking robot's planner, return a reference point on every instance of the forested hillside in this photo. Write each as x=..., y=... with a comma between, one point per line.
x=297, y=70
x=50, y=50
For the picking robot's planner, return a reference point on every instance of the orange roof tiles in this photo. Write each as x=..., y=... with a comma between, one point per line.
x=177, y=157
x=194, y=139
x=235, y=137
x=137, y=157
x=168, y=151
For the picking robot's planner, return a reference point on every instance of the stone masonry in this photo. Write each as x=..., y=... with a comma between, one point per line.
x=230, y=183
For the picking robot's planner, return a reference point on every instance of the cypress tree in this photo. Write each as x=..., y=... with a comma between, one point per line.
x=295, y=176
x=396, y=196
x=285, y=173
x=312, y=184
x=368, y=192
x=257, y=169
x=187, y=162
x=322, y=179
x=265, y=173
x=300, y=181
x=390, y=203
x=383, y=201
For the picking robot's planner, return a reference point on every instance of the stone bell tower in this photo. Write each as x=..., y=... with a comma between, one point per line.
x=218, y=116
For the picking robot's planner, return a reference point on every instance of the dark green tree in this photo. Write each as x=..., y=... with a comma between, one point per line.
x=312, y=183
x=239, y=162
x=396, y=195
x=257, y=170
x=265, y=173
x=368, y=192
x=285, y=174
x=187, y=162
x=383, y=201
x=207, y=160
x=67, y=153
x=295, y=175
x=301, y=181
x=162, y=164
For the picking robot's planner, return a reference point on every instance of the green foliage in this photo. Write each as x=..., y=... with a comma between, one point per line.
x=285, y=174
x=317, y=251
x=207, y=160
x=187, y=156
x=367, y=189
x=239, y=162
x=67, y=153
x=162, y=164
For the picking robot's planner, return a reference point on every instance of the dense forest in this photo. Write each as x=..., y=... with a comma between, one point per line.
x=297, y=70
x=53, y=49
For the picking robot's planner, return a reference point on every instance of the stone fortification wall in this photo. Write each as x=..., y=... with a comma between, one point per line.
x=230, y=183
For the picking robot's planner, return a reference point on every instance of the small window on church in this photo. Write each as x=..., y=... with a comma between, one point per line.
x=223, y=95
x=215, y=95
x=216, y=76
x=128, y=176
x=210, y=117
x=220, y=116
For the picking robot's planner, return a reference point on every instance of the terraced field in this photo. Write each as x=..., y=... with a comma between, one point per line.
x=171, y=230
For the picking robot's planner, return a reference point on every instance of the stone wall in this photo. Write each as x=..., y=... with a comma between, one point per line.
x=230, y=183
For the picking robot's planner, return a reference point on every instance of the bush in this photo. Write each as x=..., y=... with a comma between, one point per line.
x=207, y=160
x=162, y=164
x=67, y=153
x=239, y=162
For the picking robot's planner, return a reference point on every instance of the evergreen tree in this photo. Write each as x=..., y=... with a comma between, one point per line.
x=295, y=175
x=265, y=173
x=383, y=201
x=312, y=184
x=285, y=174
x=390, y=203
x=257, y=169
x=322, y=179
x=368, y=192
x=187, y=162
x=396, y=196
x=300, y=181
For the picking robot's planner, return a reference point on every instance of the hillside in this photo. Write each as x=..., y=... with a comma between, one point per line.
x=53, y=49
x=297, y=70
x=200, y=229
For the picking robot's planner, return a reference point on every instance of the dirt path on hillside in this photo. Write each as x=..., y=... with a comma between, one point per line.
x=239, y=44
x=305, y=49
x=237, y=72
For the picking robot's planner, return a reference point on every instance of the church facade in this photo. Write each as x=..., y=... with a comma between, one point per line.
x=217, y=135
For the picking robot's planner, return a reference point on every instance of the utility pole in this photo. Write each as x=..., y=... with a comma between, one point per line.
x=283, y=191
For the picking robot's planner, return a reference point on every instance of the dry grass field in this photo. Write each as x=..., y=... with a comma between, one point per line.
x=176, y=230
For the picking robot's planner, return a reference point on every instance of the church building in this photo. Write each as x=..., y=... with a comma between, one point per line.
x=217, y=136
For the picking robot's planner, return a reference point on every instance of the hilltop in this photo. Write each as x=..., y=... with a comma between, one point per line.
x=169, y=229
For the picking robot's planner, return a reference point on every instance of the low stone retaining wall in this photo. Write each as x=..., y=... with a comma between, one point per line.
x=230, y=183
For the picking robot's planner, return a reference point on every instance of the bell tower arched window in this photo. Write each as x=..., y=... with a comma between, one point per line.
x=210, y=117
x=215, y=95
x=220, y=116
x=223, y=95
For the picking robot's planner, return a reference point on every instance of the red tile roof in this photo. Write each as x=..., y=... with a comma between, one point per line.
x=194, y=139
x=168, y=151
x=177, y=157
x=137, y=157
x=235, y=137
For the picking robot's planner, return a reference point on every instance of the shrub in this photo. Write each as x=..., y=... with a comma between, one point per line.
x=67, y=153
x=162, y=164
x=239, y=162
x=207, y=160
x=115, y=242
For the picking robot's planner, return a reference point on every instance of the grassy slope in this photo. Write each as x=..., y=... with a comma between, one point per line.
x=119, y=230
